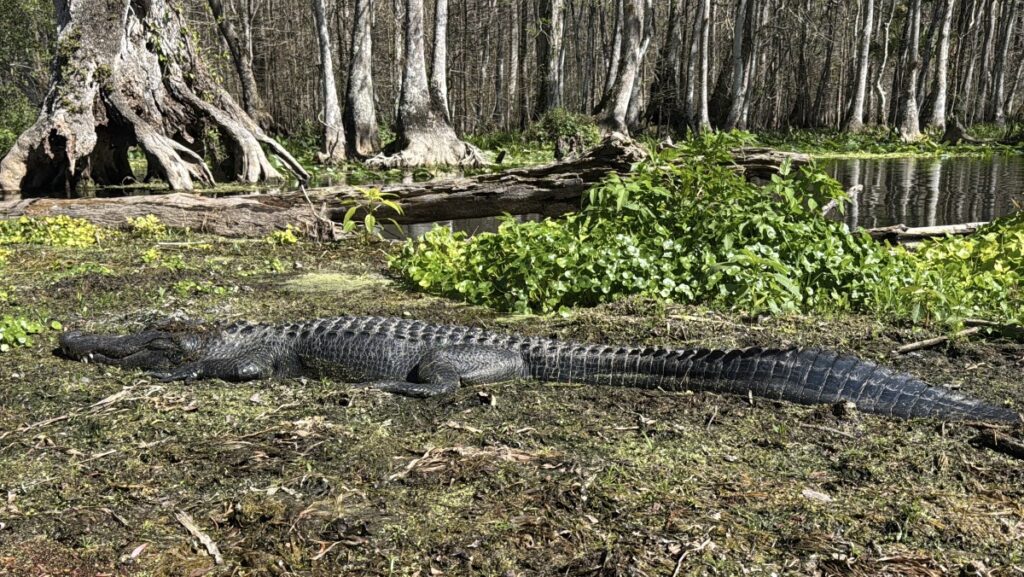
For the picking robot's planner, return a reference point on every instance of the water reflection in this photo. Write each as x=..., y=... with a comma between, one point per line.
x=928, y=192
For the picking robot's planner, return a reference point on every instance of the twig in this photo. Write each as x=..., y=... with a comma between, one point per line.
x=211, y=547
x=933, y=342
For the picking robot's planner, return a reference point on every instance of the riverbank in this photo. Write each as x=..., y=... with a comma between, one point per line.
x=303, y=477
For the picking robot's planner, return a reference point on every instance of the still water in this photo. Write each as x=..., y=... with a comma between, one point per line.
x=928, y=192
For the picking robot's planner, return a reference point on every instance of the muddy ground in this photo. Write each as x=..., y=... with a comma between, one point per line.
x=100, y=467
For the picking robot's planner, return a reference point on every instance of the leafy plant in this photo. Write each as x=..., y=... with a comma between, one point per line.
x=560, y=123
x=61, y=231
x=18, y=331
x=287, y=236
x=369, y=202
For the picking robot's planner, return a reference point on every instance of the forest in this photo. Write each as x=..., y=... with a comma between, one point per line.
x=664, y=287
x=329, y=76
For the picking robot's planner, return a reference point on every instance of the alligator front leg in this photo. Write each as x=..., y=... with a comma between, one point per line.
x=248, y=367
x=443, y=370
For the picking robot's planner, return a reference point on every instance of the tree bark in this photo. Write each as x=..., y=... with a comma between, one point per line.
x=128, y=74
x=439, y=62
x=614, y=60
x=910, y=128
x=425, y=137
x=855, y=121
x=241, y=58
x=360, y=111
x=333, y=145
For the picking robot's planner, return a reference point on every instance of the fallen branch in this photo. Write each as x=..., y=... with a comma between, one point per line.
x=901, y=233
x=999, y=442
x=930, y=342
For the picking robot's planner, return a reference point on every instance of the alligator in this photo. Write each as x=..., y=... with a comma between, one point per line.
x=420, y=359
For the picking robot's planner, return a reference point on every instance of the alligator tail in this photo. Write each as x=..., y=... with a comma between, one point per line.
x=806, y=376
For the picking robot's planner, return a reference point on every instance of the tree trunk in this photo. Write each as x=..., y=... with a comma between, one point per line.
x=1009, y=18
x=632, y=31
x=333, y=146
x=549, y=55
x=613, y=63
x=425, y=137
x=742, y=51
x=128, y=74
x=938, y=97
x=241, y=58
x=704, y=117
x=855, y=121
x=439, y=63
x=910, y=128
x=360, y=111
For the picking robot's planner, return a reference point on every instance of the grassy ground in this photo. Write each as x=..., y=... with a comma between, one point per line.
x=315, y=478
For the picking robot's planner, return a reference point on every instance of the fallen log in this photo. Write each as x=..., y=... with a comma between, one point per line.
x=549, y=190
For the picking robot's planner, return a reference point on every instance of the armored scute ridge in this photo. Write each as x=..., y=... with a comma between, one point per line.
x=420, y=359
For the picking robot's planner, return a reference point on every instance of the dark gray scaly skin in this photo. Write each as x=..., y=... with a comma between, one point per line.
x=419, y=359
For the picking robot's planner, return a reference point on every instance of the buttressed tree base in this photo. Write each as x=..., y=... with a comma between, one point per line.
x=128, y=73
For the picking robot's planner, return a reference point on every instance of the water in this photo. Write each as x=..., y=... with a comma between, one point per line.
x=929, y=192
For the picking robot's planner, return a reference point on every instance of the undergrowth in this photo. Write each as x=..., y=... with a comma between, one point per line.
x=683, y=227
x=880, y=142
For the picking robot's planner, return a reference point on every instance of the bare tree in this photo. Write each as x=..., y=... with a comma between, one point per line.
x=241, y=58
x=704, y=118
x=333, y=145
x=632, y=55
x=360, y=112
x=740, y=64
x=909, y=121
x=425, y=137
x=855, y=121
x=128, y=76
x=549, y=54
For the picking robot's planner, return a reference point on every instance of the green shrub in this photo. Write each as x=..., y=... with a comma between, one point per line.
x=18, y=331
x=16, y=114
x=148, y=227
x=682, y=227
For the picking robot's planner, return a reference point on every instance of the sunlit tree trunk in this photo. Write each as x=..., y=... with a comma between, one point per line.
x=938, y=108
x=360, y=111
x=549, y=54
x=439, y=63
x=1009, y=18
x=704, y=117
x=333, y=144
x=614, y=120
x=855, y=121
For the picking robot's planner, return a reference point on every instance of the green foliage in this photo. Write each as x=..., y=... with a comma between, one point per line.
x=51, y=231
x=560, y=123
x=147, y=227
x=4, y=255
x=684, y=228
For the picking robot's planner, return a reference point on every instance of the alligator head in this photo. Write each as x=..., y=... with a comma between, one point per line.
x=151, y=350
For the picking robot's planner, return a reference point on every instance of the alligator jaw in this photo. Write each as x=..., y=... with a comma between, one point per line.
x=145, y=350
